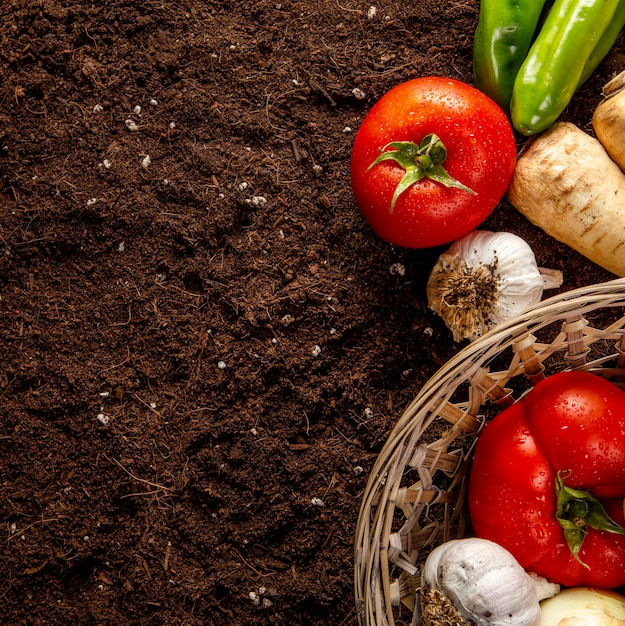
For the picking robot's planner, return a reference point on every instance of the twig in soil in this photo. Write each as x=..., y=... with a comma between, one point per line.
x=108, y=369
x=126, y=323
x=250, y=566
x=387, y=71
x=315, y=86
x=166, y=559
x=21, y=531
x=296, y=153
x=459, y=5
x=329, y=536
x=346, y=9
x=348, y=618
x=147, y=405
x=333, y=482
x=141, y=480
x=138, y=494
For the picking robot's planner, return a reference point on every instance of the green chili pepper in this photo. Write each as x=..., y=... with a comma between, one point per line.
x=605, y=43
x=503, y=36
x=553, y=68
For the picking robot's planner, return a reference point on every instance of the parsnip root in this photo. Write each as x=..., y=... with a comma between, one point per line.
x=566, y=184
x=608, y=120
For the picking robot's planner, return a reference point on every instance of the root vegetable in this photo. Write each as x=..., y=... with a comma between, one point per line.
x=608, y=120
x=582, y=606
x=566, y=184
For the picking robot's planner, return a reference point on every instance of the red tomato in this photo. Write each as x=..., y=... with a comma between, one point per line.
x=572, y=426
x=480, y=155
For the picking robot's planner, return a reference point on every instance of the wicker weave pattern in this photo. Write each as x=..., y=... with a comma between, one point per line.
x=415, y=497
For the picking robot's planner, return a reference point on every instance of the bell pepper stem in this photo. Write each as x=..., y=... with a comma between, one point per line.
x=578, y=510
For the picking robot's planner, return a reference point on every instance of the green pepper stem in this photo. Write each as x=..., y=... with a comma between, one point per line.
x=578, y=510
x=419, y=161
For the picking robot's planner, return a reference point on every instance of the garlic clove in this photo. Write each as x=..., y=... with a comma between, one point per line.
x=484, y=279
x=485, y=583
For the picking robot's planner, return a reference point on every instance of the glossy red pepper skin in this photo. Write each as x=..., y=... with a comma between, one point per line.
x=531, y=465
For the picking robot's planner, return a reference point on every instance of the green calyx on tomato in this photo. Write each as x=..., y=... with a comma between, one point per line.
x=419, y=161
x=577, y=510
x=480, y=151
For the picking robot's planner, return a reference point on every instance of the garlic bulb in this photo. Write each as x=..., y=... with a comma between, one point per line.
x=484, y=583
x=484, y=279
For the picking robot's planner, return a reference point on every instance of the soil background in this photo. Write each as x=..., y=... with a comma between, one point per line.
x=199, y=348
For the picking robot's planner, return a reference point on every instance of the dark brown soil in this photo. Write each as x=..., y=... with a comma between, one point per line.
x=166, y=421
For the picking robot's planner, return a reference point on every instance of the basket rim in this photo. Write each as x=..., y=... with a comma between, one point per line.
x=463, y=365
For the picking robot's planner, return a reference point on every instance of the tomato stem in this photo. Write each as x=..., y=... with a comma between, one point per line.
x=419, y=161
x=578, y=510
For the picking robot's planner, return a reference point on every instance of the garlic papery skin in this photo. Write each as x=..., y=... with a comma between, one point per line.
x=582, y=606
x=485, y=583
x=484, y=279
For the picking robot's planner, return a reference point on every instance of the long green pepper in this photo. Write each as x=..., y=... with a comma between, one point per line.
x=553, y=67
x=606, y=42
x=502, y=39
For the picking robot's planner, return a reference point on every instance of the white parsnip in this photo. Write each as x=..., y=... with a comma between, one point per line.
x=566, y=184
x=608, y=120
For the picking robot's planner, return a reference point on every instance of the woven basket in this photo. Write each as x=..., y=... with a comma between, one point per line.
x=416, y=494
